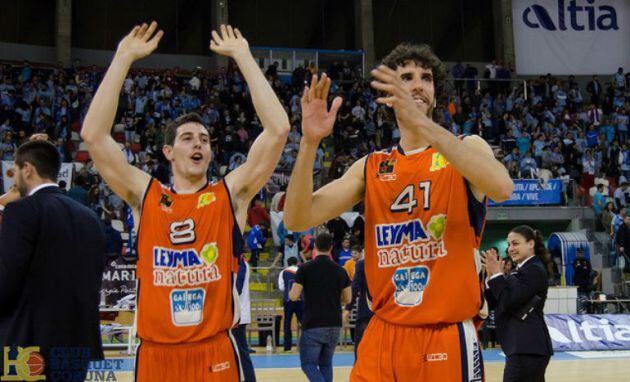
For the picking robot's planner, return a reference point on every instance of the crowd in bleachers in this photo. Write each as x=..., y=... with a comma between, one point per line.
x=551, y=128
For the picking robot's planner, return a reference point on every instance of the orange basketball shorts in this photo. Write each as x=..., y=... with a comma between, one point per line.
x=213, y=360
x=395, y=353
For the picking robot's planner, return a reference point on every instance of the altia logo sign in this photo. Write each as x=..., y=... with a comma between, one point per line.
x=562, y=37
x=577, y=15
x=589, y=332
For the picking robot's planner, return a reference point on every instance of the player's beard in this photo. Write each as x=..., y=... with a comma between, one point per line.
x=20, y=183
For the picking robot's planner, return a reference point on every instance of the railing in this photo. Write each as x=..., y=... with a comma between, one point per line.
x=267, y=276
x=289, y=59
x=485, y=84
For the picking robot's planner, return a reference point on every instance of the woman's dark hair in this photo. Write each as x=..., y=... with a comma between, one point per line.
x=539, y=244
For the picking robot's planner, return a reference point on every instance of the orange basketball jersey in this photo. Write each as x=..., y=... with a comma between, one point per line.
x=187, y=254
x=422, y=230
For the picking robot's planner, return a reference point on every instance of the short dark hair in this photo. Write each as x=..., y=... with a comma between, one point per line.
x=292, y=261
x=42, y=155
x=357, y=248
x=422, y=55
x=323, y=242
x=170, y=131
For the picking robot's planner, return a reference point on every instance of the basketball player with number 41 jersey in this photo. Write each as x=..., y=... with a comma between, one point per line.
x=189, y=234
x=425, y=205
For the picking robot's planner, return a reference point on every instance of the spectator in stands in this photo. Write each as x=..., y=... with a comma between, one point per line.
x=290, y=249
x=78, y=191
x=62, y=187
x=255, y=242
x=608, y=215
x=617, y=221
x=258, y=214
x=620, y=195
x=599, y=202
x=113, y=238
x=622, y=240
x=528, y=166
x=285, y=282
x=344, y=253
x=326, y=286
x=595, y=88
x=619, y=79
x=581, y=272
x=338, y=229
x=350, y=265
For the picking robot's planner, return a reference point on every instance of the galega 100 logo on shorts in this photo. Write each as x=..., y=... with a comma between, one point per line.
x=410, y=284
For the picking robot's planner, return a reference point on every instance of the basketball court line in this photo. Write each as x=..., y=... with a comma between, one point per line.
x=346, y=359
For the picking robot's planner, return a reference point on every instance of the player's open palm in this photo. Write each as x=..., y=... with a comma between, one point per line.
x=317, y=120
x=140, y=42
x=229, y=43
x=398, y=97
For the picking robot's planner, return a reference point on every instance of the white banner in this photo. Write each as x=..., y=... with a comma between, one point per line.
x=8, y=176
x=580, y=37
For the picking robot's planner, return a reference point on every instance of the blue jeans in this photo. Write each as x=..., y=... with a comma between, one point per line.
x=317, y=347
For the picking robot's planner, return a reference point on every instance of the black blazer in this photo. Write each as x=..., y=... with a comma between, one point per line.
x=509, y=295
x=51, y=266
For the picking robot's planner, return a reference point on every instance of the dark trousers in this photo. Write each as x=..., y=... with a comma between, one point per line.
x=253, y=259
x=525, y=368
x=359, y=329
x=243, y=351
x=291, y=308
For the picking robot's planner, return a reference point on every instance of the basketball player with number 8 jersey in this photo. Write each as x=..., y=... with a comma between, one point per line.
x=424, y=216
x=189, y=234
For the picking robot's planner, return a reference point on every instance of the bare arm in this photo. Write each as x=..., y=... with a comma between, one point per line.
x=295, y=292
x=470, y=157
x=303, y=209
x=125, y=180
x=265, y=152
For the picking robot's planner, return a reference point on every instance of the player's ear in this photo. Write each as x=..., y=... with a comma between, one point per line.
x=168, y=152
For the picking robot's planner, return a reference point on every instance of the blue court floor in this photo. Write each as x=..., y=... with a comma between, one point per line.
x=346, y=359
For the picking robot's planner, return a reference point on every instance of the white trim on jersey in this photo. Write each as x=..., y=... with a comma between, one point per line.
x=472, y=360
x=237, y=356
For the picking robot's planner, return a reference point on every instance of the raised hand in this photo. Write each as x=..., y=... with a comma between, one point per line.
x=140, y=42
x=317, y=120
x=399, y=98
x=230, y=43
x=491, y=262
x=39, y=137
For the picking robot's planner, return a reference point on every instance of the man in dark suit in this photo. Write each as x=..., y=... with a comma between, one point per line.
x=359, y=296
x=518, y=300
x=51, y=265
